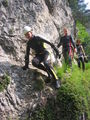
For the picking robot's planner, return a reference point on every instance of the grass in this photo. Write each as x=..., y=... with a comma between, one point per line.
x=73, y=97
x=76, y=82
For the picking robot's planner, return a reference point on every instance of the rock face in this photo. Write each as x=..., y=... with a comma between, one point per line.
x=47, y=18
x=22, y=93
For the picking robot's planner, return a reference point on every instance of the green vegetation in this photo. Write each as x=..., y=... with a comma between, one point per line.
x=45, y=113
x=82, y=33
x=82, y=21
x=73, y=98
x=11, y=31
x=84, y=37
x=5, y=3
x=79, y=11
x=4, y=81
x=38, y=114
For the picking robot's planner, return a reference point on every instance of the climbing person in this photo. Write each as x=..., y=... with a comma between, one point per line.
x=68, y=46
x=36, y=43
x=81, y=54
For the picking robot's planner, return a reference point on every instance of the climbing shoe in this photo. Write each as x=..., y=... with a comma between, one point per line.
x=57, y=85
x=24, y=67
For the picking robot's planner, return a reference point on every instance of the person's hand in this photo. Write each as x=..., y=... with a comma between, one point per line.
x=85, y=55
x=24, y=67
x=75, y=50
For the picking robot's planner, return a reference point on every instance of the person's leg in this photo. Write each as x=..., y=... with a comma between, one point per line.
x=65, y=55
x=67, y=59
x=36, y=62
x=83, y=63
x=70, y=56
x=70, y=61
x=51, y=70
x=79, y=63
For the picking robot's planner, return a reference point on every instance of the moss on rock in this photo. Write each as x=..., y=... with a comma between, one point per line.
x=4, y=81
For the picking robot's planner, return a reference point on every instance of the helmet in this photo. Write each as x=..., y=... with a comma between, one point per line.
x=27, y=29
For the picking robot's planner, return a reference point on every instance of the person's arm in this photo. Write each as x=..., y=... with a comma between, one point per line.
x=72, y=41
x=51, y=44
x=83, y=50
x=27, y=56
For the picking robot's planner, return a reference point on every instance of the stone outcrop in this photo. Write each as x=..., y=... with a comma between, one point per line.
x=47, y=18
x=26, y=90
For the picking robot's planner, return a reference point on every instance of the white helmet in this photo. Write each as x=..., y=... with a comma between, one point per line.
x=27, y=29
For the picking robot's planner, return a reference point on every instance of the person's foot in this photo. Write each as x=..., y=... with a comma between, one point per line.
x=57, y=85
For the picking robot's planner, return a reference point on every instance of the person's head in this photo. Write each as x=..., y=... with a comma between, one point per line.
x=65, y=31
x=78, y=42
x=28, y=32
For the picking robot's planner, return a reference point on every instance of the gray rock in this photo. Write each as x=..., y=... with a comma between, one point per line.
x=47, y=18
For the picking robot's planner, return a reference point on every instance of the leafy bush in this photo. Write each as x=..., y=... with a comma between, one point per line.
x=84, y=37
x=4, y=81
x=69, y=103
x=45, y=113
x=73, y=98
x=74, y=95
x=82, y=33
x=38, y=114
x=5, y=3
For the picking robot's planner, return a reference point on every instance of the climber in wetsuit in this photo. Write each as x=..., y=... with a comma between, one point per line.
x=68, y=47
x=41, y=54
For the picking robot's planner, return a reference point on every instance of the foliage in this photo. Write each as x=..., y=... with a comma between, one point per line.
x=38, y=114
x=5, y=3
x=4, y=81
x=82, y=19
x=74, y=95
x=84, y=37
x=11, y=31
x=69, y=102
x=82, y=33
x=73, y=98
x=79, y=10
x=45, y=113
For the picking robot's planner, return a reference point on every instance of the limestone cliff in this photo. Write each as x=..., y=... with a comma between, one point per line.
x=47, y=18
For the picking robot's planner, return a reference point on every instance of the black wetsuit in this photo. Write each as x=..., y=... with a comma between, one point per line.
x=68, y=44
x=41, y=54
